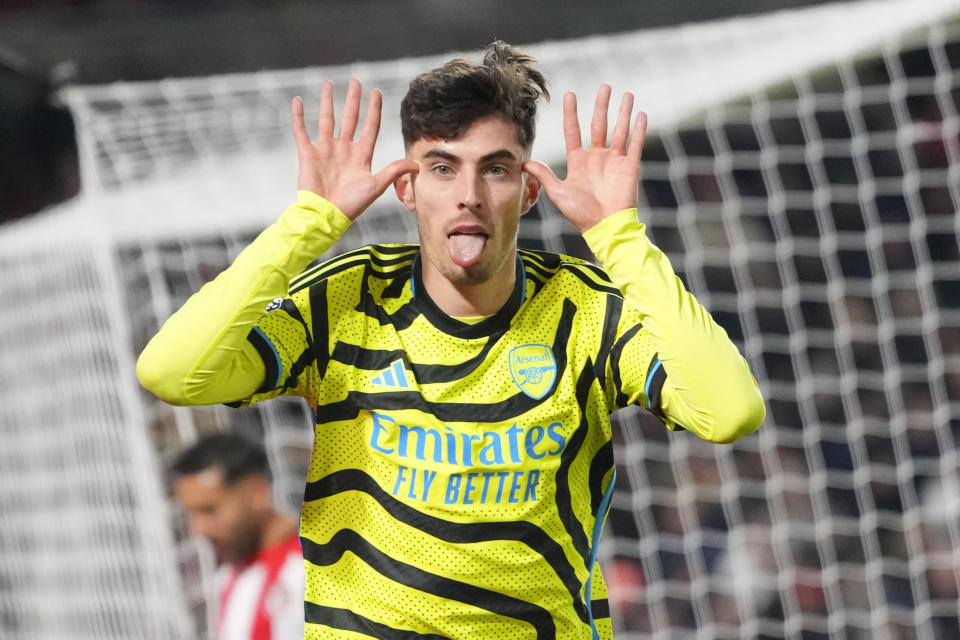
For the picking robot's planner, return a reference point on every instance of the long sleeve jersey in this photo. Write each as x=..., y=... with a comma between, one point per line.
x=461, y=470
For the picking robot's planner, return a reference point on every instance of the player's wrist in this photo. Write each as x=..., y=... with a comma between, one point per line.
x=309, y=199
x=320, y=206
x=613, y=220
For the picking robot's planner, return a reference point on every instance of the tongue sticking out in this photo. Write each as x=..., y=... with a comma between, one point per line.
x=465, y=248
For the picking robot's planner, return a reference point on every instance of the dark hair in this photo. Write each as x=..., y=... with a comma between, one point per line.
x=231, y=452
x=444, y=102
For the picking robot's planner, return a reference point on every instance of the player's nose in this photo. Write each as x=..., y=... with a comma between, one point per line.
x=468, y=191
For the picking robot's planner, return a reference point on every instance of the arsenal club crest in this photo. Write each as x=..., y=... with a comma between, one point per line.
x=533, y=368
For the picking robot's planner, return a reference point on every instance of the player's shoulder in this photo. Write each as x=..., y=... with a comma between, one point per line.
x=567, y=271
x=383, y=260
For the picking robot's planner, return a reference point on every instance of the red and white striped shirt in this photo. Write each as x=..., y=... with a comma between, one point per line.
x=262, y=599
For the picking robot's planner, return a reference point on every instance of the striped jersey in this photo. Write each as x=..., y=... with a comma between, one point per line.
x=461, y=470
x=261, y=599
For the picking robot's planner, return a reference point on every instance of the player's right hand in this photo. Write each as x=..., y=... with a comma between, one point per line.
x=335, y=166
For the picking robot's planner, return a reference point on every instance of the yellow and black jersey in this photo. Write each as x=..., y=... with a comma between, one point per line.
x=461, y=471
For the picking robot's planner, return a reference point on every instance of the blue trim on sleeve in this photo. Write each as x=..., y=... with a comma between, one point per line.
x=597, y=528
x=650, y=376
x=276, y=355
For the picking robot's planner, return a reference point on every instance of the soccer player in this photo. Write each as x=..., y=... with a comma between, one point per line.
x=223, y=483
x=462, y=388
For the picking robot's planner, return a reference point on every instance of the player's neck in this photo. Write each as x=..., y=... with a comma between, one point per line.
x=470, y=300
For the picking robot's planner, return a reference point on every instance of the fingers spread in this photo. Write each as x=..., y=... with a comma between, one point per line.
x=621, y=130
x=351, y=110
x=571, y=126
x=371, y=124
x=326, y=120
x=300, y=135
x=598, y=126
x=639, y=133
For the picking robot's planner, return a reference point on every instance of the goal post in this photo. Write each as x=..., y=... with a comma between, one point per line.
x=802, y=172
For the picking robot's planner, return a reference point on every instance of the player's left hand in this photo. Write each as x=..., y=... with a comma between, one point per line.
x=601, y=180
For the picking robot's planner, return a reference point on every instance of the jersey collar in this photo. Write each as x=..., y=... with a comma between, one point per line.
x=486, y=327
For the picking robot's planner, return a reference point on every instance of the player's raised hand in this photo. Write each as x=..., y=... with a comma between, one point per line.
x=601, y=179
x=336, y=166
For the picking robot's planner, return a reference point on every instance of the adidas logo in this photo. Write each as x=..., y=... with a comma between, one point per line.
x=393, y=376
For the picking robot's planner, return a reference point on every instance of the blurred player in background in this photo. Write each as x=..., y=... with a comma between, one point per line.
x=463, y=462
x=224, y=484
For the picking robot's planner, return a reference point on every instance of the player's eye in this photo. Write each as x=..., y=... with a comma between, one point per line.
x=497, y=170
x=442, y=169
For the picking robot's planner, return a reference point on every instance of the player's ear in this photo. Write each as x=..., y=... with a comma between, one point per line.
x=404, y=188
x=531, y=191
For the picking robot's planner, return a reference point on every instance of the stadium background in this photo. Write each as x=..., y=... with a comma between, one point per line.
x=802, y=174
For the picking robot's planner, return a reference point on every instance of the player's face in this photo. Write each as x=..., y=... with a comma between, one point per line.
x=228, y=515
x=469, y=195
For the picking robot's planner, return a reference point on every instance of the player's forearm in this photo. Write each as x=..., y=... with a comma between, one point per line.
x=716, y=395
x=201, y=354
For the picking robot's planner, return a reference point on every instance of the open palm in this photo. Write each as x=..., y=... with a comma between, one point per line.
x=337, y=167
x=601, y=180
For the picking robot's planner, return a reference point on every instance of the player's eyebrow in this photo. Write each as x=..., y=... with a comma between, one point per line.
x=499, y=154
x=444, y=155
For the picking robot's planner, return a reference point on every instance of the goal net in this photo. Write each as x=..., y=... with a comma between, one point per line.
x=802, y=172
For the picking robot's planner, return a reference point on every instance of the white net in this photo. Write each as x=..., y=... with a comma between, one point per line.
x=802, y=175
x=85, y=547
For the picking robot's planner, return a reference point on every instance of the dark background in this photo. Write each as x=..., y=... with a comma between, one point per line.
x=46, y=44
